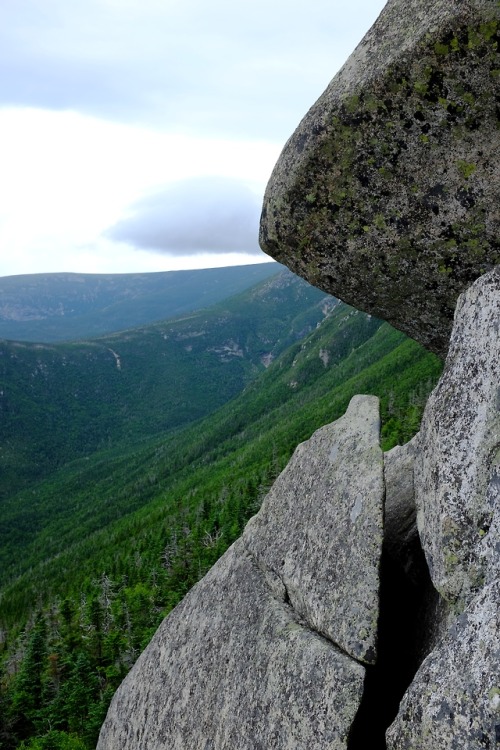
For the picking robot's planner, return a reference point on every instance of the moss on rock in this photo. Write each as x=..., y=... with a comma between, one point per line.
x=387, y=194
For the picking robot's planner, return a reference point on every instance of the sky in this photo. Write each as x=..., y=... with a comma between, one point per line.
x=139, y=135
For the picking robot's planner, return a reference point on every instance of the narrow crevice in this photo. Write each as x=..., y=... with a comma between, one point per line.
x=409, y=615
x=302, y=620
x=286, y=600
x=406, y=598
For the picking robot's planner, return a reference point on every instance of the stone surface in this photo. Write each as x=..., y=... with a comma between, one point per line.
x=249, y=659
x=457, y=471
x=388, y=193
x=234, y=667
x=319, y=531
x=401, y=540
x=414, y=615
x=453, y=702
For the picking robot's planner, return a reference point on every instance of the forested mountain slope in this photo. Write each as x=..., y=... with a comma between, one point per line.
x=69, y=306
x=109, y=543
x=63, y=401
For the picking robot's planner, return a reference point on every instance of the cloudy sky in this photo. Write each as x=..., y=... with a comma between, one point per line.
x=138, y=135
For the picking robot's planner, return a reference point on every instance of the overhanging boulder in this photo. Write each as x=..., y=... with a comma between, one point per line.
x=388, y=193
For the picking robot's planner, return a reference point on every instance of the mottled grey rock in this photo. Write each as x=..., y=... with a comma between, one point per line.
x=457, y=471
x=387, y=195
x=400, y=522
x=453, y=702
x=249, y=659
x=234, y=667
x=319, y=531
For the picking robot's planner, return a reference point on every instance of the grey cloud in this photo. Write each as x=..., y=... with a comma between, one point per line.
x=241, y=69
x=204, y=214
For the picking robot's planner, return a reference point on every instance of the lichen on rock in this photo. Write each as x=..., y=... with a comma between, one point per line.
x=457, y=472
x=453, y=702
x=387, y=195
x=251, y=659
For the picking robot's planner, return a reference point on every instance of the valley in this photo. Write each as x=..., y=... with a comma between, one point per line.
x=145, y=473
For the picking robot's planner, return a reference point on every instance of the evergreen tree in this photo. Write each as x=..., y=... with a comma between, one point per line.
x=28, y=693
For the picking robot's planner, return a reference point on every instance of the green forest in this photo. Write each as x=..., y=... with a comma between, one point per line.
x=100, y=544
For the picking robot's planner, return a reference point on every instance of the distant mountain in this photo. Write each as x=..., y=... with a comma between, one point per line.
x=70, y=306
x=59, y=401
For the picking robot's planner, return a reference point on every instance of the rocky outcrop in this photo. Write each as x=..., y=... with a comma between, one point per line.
x=453, y=702
x=333, y=617
x=319, y=531
x=260, y=654
x=314, y=626
x=234, y=667
x=457, y=474
x=387, y=193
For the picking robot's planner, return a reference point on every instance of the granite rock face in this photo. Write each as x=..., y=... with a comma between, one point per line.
x=234, y=667
x=457, y=473
x=401, y=538
x=388, y=193
x=328, y=560
x=249, y=659
x=453, y=702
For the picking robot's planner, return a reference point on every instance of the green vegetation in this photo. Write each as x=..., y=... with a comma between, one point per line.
x=69, y=306
x=96, y=553
x=59, y=402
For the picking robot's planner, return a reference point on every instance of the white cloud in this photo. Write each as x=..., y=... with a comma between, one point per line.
x=199, y=215
x=66, y=178
x=223, y=68
x=105, y=103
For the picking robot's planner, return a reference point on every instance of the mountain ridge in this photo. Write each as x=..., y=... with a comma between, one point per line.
x=53, y=307
x=74, y=398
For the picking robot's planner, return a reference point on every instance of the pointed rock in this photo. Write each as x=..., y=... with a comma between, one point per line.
x=249, y=659
x=329, y=500
x=457, y=471
x=387, y=194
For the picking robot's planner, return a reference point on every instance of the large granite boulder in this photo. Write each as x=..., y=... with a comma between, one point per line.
x=457, y=471
x=234, y=667
x=388, y=193
x=250, y=659
x=453, y=702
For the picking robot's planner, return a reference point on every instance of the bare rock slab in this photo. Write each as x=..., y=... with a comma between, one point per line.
x=457, y=470
x=319, y=531
x=388, y=193
x=234, y=667
x=453, y=702
x=259, y=654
